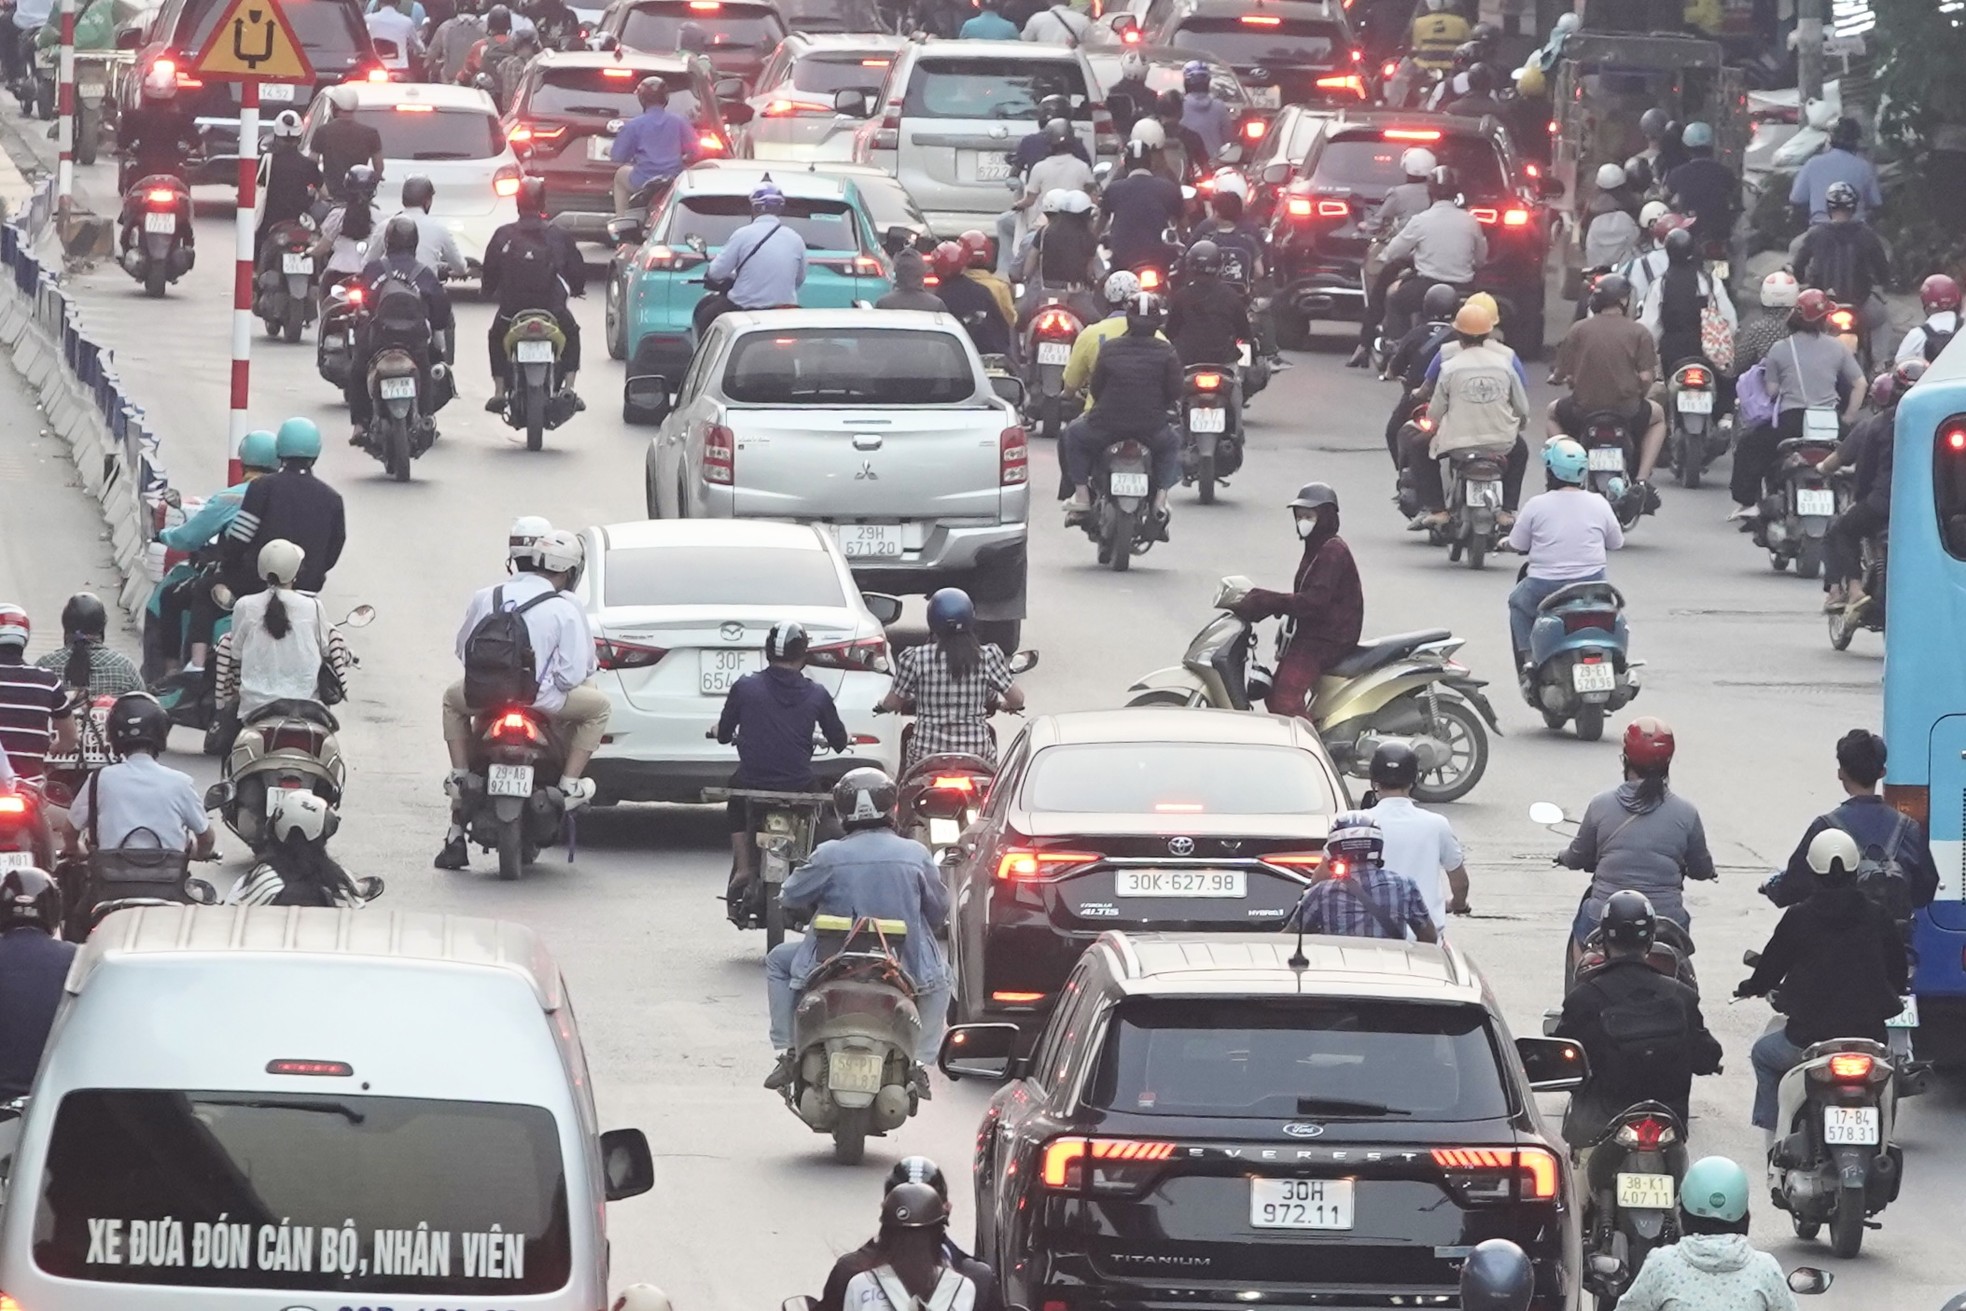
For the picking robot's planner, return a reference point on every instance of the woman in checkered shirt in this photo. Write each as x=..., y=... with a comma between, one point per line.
x=952, y=685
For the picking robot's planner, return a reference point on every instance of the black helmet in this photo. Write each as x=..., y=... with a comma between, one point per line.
x=138, y=723
x=1058, y=134
x=1465, y=56
x=418, y=192
x=1497, y=1276
x=913, y=1206
x=1840, y=196
x=1484, y=37
x=1654, y=123
x=864, y=798
x=787, y=641
x=1054, y=106
x=652, y=91
x=1168, y=105
x=1440, y=302
x=1638, y=174
x=84, y=614
x=1679, y=246
x=1628, y=920
x=1204, y=257
x=1313, y=496
x=1611, y=289
x=532, y=196
x=1145, y=314
x=1848, y=133
x=918, y=1170
x=498, y=20
x=1481, y=80
x=361, y=180
x=1394, y=765
x=29, y=899
x=401, y=236
x=1442, y=184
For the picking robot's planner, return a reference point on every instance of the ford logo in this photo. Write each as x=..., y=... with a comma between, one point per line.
x=1180, y=846
x=1303, y=1129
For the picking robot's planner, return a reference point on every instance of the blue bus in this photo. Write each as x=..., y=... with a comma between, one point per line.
x=1925, y=682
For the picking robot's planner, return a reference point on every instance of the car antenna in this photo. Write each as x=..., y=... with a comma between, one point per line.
x=1298, y=960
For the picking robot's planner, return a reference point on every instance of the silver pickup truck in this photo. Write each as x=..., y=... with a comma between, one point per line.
x=882, y=426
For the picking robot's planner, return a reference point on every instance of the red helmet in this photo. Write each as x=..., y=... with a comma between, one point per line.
x=1648, y=743
x=1908, y=373
x=981, y=250
x=1884, y=390
x=1813, y=305
x=948, y=260
x=1938, y=292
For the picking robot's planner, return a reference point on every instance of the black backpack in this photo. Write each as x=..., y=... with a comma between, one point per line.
x=1645, y=1035
x=398, y=313
x=527, y=270
x=1936, y=341
x=1881, y=876
x=499, y=667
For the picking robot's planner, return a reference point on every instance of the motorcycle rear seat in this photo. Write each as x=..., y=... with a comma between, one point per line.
x=1377, y=652
x=296, y=708
x=1592, y=594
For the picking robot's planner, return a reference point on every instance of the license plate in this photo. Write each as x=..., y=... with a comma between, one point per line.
x=509, y=780
x=989, y=166
x=1906, y=1018
x=1054, y=352
x=92, y=90
x=717, y=671
x=1695, y=402
x=1599, y=677
x=276, y=796
x=1721, y=270
x=1231, y=884
x=868, y=541
x=297, y=264
x=165, y=222
x=282, y=92
x=1848, y=1126
x=858, y=1072
x=1647, y=1192
x=1813, y=501
x=599, y=148
x=1486, y=495
x=1130, y=484
x=1265, y=97
x=16, y=860
x=1607, y=459
x=944, y=832
x=1300, y=1203
x=398, y=389
x=1208, y=419
x=334, y=341
x=534, y=352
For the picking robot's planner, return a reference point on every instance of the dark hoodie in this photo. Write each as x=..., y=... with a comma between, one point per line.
x=771, y=715
x=910, y=290
x=1324, y=611
x=1840, y=964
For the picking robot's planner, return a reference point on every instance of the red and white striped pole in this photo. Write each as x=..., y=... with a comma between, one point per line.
x=64, y=120
x=242, y=277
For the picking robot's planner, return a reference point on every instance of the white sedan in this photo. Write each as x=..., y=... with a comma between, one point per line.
x=680, y=610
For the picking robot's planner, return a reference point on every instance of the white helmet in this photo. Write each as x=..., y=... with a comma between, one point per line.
x=1075, y=202
x=1568, y=23
x=287, y=124
x=1831, y=849
x=1148, y=134
x=160, y=80
x=1652, y=212
x=1054, y=200
x=1122, y=287
x=526, y=530
x=1610, y=177
x=1779, y=290
x=1133, y=64
x=296, y=812
x=1231, y=184
x=1417, y=162
x=279, y=562
x=560, y=552
x=1436, y=6
x=642, y=1297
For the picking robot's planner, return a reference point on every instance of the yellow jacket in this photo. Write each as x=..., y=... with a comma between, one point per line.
x=1085, y=351
x=998, y=288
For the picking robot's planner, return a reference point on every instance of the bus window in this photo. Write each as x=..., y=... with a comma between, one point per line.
x=1949, y=484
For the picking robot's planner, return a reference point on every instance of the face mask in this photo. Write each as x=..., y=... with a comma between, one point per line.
x=1304, y=527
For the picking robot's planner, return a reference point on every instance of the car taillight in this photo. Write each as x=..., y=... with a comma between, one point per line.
x=789, y=109
x=1100, y=1165
x=666, y=259
x=378, y=74
x=1013, y=458
x=1207, y=381
x=1022, y=864
x=1693, y=378
x=1054, y=322
x=1294, y=859
x=1486, y=214
x=719, y=455
x=1850, y=1067
x=1299, y=207
x=869, y=266
x=888, y=135
x=1515, y=218
x=1105, y=133
x=160, y=196
x=868, y=656
x=1333, y=209
x=512, y=725
x=611, y=654
x=8, y=1304
x=505, y=182
x=712, y=143
x=535, y=134
x=1500, y=1174
x=1343, y=82
x=1254, y=128
x=1647, y=1135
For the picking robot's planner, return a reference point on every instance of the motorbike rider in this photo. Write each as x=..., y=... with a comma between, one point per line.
x=1059, y=170
x=1807, y=371
x=294, y=868
x=1356, y=895
x=491, y=52
x=1713, y=1264
x=1566, y=532
x=451, y=44
x=1438, y=31
x=157, y=138
x=1869, y=451
x=207, y=528
x=951, y=684
x=910, y=289
x=138, y=795
x=34, y=965
x=555, y=23
x=1208, y=319
x=1323, y=611
x=1121, y=288
x=1129, y=100
x=1140, y=207
x=872, y=872
x=397, y=38
x=1062, y=261
x=1497, y=1276
x=1846, y=258
x=1612, y=235
x=1184, y=151
x=1413, y=357
x=982, y=269
x=1032, y=149
x=344, y=141
x=656, y=143
x=288, y=181
x=911, y=1170
x=1655, y=221
x=420, y=322
x=1404, y=201
x=1642, y=1033
x=1759, y=332
x=34, y=716
x=1840, y=962
x=911, y=1267
x=1420, y=845
x=562, y=647
x=1871, y=821
x=988, y=24
x=350, y=227
x=762, y=266
x=281, y=646
x=1479, y=403
x=1445, y=243
x=1060, y=24
x=436, y=248
x=969, y=302
x=1479, y=98
x=87, y=666
x=1840, y=161
x=1610, y=364
x=1939, y=297
x=1201, y=113
x=293, y=504
x=1136, y=381
x=1704, y=187
x=533, y=264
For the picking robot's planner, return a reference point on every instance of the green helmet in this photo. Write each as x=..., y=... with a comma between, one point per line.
x=258, y=450
x=1716, y=1188
x=299, y=439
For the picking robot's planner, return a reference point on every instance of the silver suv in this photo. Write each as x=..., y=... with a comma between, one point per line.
x=883, y=428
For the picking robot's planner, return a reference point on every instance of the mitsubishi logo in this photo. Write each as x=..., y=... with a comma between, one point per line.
x=1180, y=846
x=867, y=471
x=731, y=632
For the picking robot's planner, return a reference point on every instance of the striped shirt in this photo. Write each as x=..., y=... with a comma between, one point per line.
x=30, y=701
x=110, y=672
x=1344, y=905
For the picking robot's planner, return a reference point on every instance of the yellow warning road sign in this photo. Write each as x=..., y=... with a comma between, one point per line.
x=253, y=40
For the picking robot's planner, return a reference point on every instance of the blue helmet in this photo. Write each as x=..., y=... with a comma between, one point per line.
x=259, y=451
x=298, y=439
x=1194, y=75
x=1355, y=843
x=1697, y=136
x=1565, y=460
x=767, y=199
x=951, y=611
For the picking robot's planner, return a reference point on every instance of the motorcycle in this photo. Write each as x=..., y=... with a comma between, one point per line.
x=161, y=252
x=1834, y=1160
x=1121, y=522
x=1579, y=668
x=786, y=827
x=1695, y=439
x=941, y=797
x=1403, y=688
x=284, y=298
x=1795, y=518
x=1603, y=440
x=97, y=885
x=855, y=1032
x=1048, y=341
x=534, y=400
x=400, y=425
x=1474, y=506
x=1868, y=614
x=1634, y=1173
x=189, y=695
x=342, y=309
x=25, y=840
x=1847, y=326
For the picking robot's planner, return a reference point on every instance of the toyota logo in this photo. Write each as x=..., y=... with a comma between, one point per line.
x=731, y=632
x=1180, y=846
x=1303, y=1129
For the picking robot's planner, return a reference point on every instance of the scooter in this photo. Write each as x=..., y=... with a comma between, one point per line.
x=1634, y=1172
x=1695, y=439
x=342, y=309
x=534, y=399
x=161, y=252
x=1834, y=1158
x=400, y=426
x=1473, y=480
x=25, y=839
x=1404, y=688
x=941, y=797
x=506, y=799
x=1048, y=341
x=1211, y=434
x=1121, y=522
x=1795, y=519
x=1866, y=615
x=284, y=297
x=1578, y=666
x=1603, y=440
x=855, y=1032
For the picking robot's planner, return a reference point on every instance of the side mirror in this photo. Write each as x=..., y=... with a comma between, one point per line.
x=1751, y=958
x=200, y=893
x=886, y=609
x=1009, y=389
x=1806, y=1279
x=1545, y=813
x=626, y=231
x=360, y=617
x=729, y=88
x=1552, y=1064
x=129, y=38
x=368, y=889
x=626, y=1162
x=1023, y=662
x=853, y=102
x=980, y=1051
x=737, y=113
x=1276, y=173
x=1230, y=153
x=1549, y=188
x=897, y=239
x=645, y=399
x=217, y=795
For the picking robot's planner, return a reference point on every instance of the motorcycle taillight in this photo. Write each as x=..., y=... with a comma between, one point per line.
x=1646, y=1134
x=513, y=726
x=1578, y=622
x=292, y=738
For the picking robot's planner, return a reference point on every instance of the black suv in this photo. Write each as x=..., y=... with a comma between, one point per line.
x=1317, y=250
x=331, y=32
x=1287, y=52
x=1205, y=1116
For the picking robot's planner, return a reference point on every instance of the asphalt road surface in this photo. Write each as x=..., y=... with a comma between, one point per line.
x=748, y=1207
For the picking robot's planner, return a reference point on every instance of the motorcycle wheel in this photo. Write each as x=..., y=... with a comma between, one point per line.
x=1205, y=478
x=1809, y=564
x=1779, y=563
x=1553, y=720
x=1840, y=632
x=1124, y=527
x=1460, y=724
x=850, y=1135
x=1807, y=1230
x=396, y=449
x=1687, y=464
x=1478, y=552
x=154, y=282
x=511, y=850
x=535, y=403
x=295, y=320
x=88, y=124
x=1590, y=723
x=1846, y=1223
x=616, y=326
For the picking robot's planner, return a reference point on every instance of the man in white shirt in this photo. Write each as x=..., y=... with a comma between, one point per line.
x=1420, y=845
x=391, y=23
x=1061, y=170
x=1059, y=25
x=436, y=248
x=138, y=802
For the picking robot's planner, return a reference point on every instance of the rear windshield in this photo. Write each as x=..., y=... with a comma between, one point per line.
x=1285, y=42
x=402, y=1195
x=428, y=132
x=1328, y=1059
x=724, y=27
x=831, y=15
x=330, y=31
x=1363, y=164
x=1176, y=778
x=605, y=92
x=744, y=575
x=826, y=225
x=992, y=88
x=849, y=366
x=1223, y=82
x=825, y=74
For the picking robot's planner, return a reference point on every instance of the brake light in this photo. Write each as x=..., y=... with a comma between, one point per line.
x=1496, y=1173
x=868, y=656
x=1020, y=864
x=160, y=196
x=1485, y=214
x=1843, y=321
x=1850, y=1067
x=782, y=109
x=1262, y=20
x=952, y=783
x=1532, y=170
x=661, y=259
x=1515, y=218
x=1208, y=381
x=712, y=144
x=1054, y=322
x=875, y=63
x=9, y=1304
x=1409, y=133
x=1343, y=82
x=1066, y=1160
x=1254, y=129
x=1337, y=209
x=505, y=182
x=1017, y=998
x=1150, y=279
x=1693, y=378
x=1389, y=69
x=416, y=109
x=1298, y=207
x=354, y=295
x=1132, y=36
x=706, y=6
x=610, y=654
x=12, y=804
x=523, y=134
x=514, y=724
x=1358, y=56
x=719, y=455
x=378, y=74
x=1294, y=859
x=1013, y=458
x=1647, y=1135
x=315, y=1069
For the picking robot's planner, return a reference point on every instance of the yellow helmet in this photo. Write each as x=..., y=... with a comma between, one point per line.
x=1531, y=82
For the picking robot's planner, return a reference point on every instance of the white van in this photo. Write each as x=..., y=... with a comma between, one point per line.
x=276, y=1107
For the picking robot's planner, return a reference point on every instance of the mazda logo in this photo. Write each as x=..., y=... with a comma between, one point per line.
x=999, y=132
x=1180, y=846
x=731, y=632
x=1303, y=1129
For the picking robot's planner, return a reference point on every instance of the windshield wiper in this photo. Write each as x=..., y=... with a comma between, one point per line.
x=1345, y=1106
x=443, y=154
x=610, y=110
x=320, y=1107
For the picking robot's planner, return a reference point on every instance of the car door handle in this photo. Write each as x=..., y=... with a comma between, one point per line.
x=866, y=441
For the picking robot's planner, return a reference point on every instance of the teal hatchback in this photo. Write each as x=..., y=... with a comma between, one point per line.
x=653, y=288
